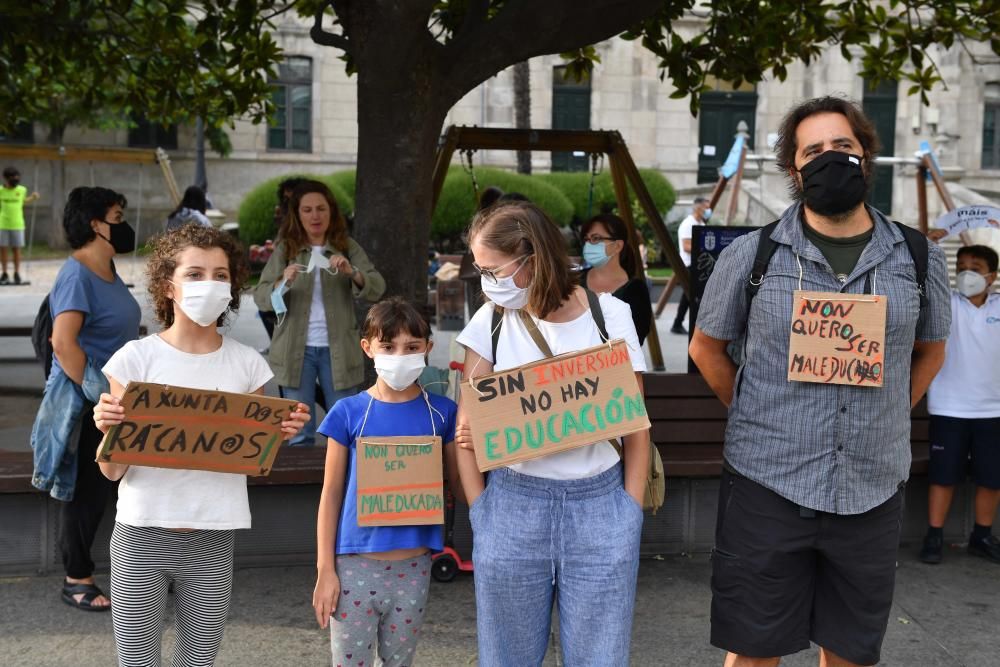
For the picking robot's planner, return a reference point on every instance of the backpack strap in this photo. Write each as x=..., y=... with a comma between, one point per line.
x=916, y=243
x=765, y=250
x=597, y=313
x=495, y=329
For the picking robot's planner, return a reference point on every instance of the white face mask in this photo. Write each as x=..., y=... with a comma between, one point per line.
x=505, y=292
x=399, y=371
x=970, y=283
x=203, y=301
x=317, y=260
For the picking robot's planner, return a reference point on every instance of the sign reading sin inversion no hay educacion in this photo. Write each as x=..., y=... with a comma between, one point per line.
x=837, y=338
x=195, y=429
x=400, y=481
x=554, y=404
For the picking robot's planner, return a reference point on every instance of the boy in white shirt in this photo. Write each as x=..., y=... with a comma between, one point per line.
x=964, y=404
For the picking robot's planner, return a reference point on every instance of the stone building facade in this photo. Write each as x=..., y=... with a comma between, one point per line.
x=624, y=94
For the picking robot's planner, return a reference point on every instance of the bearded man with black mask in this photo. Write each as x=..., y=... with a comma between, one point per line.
x=845, y=316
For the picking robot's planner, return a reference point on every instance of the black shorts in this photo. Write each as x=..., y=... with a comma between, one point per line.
x=780, y=579
x=954, y=440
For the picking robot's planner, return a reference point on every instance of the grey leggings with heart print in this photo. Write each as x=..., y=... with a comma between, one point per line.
x=380, y=607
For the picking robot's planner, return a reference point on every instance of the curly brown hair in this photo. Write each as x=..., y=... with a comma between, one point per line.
x=163, y=261
x=294, y=234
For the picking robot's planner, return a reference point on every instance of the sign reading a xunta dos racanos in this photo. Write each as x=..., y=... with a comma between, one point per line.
x=554, y=404
x=196, y=429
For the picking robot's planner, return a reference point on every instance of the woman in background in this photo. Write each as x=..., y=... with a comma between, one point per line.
x=310, y=283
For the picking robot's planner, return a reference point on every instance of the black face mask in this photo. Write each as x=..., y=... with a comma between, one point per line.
x=122, y=237
x=14, y=182
x=834, y=183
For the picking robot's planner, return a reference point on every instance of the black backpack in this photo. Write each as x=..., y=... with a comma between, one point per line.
x=41, y=335
x=916, y=243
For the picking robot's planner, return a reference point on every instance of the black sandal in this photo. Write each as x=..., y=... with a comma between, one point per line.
x=90, y=593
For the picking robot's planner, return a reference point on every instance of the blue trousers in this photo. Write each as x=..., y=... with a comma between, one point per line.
x=315, y=366
x=539, y=541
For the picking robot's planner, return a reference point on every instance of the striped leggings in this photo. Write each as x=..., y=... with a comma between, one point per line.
x=144, y=562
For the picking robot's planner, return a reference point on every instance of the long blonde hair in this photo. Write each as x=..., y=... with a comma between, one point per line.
x=521, y=228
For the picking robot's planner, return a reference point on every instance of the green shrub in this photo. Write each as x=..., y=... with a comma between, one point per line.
x=256, y=212
x=346, y=180
x=576, y=187
x=457, y=203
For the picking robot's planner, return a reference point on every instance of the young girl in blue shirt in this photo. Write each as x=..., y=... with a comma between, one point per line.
x=373, y=581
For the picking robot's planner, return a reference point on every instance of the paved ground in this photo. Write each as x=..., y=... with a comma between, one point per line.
x=944, y=616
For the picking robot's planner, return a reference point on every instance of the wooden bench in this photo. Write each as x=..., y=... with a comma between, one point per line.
x=689, y=426
x=293, y=465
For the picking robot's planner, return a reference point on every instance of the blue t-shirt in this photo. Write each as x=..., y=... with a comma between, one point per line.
x=110, y=313
x=343, y=424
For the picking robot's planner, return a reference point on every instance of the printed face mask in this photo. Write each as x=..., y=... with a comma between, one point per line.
x=204, y=301
x=505, y=292
x=833, y=183
x=595, y=254
x=399, y=371
x=970, y=283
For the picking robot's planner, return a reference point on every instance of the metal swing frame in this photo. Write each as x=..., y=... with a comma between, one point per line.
x=624, y=174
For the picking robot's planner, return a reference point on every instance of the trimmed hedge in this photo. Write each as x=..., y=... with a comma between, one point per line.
x=457, y=203
x=563, y=195
x=576, y=187
x=256, y=213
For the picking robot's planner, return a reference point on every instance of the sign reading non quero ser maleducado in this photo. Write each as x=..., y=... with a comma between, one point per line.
x=554, y=404
x=400, y=480
x=837, y=338
x=196, y=429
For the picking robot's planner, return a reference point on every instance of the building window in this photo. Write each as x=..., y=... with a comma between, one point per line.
x=570, y=111
x=291, y=127
x=991, y=127
x=23, y=133
x=144, y=134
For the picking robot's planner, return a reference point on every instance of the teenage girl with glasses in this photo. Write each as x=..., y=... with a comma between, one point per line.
x=563, y=528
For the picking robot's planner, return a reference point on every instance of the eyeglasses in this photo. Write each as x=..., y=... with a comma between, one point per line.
x=594, y=238
x=491, y=274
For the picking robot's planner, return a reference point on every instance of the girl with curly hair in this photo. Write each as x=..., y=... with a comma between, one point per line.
x=177, y=526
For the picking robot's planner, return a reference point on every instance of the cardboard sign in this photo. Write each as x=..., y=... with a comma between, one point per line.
x=196, y=429
x=554, y=404
x=964, y=218
x=400, y=481
x=837, y=338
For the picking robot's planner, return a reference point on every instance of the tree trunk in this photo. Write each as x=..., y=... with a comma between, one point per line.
x=522, y=110
x=397, y=142
x=54, y=235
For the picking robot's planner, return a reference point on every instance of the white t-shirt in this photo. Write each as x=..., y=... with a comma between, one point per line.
x=169, y=498
x=316, y=335
x=968, y=385
x=686, y=231
x=516, y=348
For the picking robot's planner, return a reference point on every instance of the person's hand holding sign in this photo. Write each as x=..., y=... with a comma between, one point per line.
x=108, y=412
x=325, y=595
x=296, y=421
x=463, y=435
